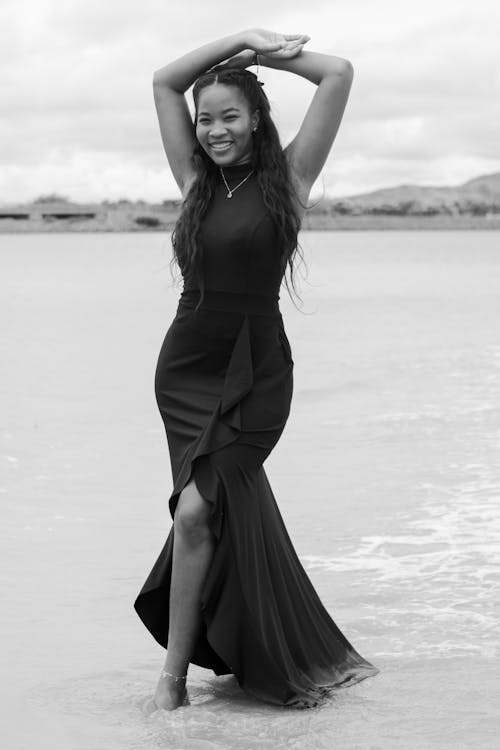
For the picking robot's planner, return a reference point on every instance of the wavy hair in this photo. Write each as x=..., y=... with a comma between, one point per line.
x=270, y=165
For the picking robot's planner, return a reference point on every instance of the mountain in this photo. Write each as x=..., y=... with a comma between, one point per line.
x=487, y=185
x=478, y=196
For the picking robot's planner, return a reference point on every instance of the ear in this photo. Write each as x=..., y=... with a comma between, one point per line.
x=255, y=119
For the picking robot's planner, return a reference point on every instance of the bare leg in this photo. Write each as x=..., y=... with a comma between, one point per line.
x=192, y=553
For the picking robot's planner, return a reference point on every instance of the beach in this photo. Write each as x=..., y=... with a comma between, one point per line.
x=387, y=476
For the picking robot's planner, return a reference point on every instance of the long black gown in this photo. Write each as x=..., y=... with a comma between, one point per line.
x=223, y=385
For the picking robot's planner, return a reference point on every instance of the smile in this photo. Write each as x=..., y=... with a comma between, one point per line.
x=221, y=146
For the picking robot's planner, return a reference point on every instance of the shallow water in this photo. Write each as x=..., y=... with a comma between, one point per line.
x=387, y=475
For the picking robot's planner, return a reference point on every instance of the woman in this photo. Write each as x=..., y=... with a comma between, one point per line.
x=228, y=591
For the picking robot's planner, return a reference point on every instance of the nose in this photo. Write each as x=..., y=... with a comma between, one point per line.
x=217, y=130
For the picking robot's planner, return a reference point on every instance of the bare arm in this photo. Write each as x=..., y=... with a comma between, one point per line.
x=174, y=118
x=172, y=81
x=333, y=76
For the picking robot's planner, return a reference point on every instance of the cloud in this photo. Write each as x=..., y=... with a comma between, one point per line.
x=77, y=113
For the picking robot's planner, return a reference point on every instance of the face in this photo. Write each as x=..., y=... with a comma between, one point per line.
x=224, y=124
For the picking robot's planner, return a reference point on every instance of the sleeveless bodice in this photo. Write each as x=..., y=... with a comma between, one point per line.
x=239, y=240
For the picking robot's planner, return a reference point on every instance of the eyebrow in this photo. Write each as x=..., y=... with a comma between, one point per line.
x=228, y=109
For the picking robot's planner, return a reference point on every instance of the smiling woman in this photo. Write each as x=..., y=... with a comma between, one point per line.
x=234, y=127
x=228, y=591
x=224, y=124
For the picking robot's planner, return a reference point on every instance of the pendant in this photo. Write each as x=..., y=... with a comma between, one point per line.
x=229, y=195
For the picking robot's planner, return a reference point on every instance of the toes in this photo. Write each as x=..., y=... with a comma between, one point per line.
x=149, y=706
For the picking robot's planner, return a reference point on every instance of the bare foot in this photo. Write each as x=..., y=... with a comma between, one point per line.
x=149, y=706
x=170, y=694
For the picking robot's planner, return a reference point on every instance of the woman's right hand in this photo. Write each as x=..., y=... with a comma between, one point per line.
x=272, y=44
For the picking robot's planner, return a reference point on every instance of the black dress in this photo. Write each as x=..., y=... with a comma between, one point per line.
x=223, y=384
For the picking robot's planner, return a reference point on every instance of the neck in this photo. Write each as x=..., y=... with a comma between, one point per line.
x=241, y=164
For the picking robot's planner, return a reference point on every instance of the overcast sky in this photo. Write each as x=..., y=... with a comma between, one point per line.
x=77, y=111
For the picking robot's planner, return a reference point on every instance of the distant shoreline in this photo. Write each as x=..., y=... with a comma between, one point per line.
x=473, y=205
x=127, y=223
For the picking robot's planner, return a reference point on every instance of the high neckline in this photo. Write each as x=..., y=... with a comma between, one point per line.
x=236, y=168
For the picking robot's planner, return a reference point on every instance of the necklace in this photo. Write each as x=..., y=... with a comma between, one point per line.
x=229, y=190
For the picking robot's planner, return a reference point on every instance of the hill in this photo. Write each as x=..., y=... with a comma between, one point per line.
x=477, y=197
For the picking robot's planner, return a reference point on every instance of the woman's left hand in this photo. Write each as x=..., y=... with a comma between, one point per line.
x=273, y=44
x=290, y=45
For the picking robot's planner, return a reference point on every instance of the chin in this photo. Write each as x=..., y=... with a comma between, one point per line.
x=226, y=159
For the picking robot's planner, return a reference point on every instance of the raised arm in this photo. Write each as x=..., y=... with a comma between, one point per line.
x=169, y=86
x=333, y=76
x=172, y=81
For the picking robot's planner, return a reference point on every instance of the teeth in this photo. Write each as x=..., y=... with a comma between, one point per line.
x=221, y=146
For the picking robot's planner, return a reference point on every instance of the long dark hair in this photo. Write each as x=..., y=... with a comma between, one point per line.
x=273, y=177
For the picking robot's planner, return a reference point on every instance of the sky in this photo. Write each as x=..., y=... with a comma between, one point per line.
x=77, y=114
